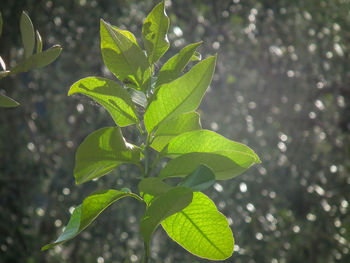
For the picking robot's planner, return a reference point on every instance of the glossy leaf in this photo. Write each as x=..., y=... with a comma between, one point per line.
x=223, y=167
x=38, y=60
x=173, y=127
x=7, y=102
x=27, y=33
x=39, y=42
x=123, y=57
x=86, y=213
x=154, y=33
x=153, y=186
x=101, y=152
x=196, y=57
x=138, y=97
x=172, y=69
x=111, y=96
x=200, y=179
x=181, y=95
x=211, y=142
x=201, y=229
x=2, y=64
x=162, y=207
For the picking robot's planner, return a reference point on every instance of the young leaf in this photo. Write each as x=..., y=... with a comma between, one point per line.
x=201, y=229
x=39, y=42
x=154, y=33
x=101, y=152
x=200, y=179
x=223, y=167
x=111, y=96
x=123, y=57
x=84, y=214
x=172, y=69
x=210, y=142
x=162, y=207
x=181, y=95
x=7, y=102
x=173, y=127
x=27, y=33
x=153, y=186
x=38, y=60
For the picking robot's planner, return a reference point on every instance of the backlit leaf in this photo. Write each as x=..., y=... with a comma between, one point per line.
x=162, y=207
x=222, y=166
x=201, y=229
x=173, y=127
x=154, y=33
x=101, y=152
x=181, y=95
x=27, y=33
x=84, y=214
x=111, y=96
x=172, y=69
x=123, y=57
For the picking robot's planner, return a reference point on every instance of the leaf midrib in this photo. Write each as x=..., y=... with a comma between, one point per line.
x=201, y=232
x=186, y=98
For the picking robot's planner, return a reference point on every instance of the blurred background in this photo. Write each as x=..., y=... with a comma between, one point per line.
x=281, y=86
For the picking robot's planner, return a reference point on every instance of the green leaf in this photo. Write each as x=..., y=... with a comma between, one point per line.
x=0, y=24
x=181, y=95
x=196, y=57
x=173, y=127
x=205, y=141
x=153, y=186
x=39, y=42
x=154, y=33
x=123, y=57
x=27, y=33
x=172, y=69
x=138, y=97
x=201, y=229
x=162, y=207
x=7, y=102
x=110, y=95
x=223, y=167
x=101, y=152
x=86, y=213
x=200, y=179
x=38, y=60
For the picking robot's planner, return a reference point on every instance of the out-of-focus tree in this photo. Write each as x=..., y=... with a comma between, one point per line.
x=283, y=75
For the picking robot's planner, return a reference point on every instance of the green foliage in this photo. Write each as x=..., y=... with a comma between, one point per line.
x=154, y=33
x=111, y=96
x=84, y=214
x=171, y=127
x=101, y=152
x=32, y=61
x=28, y=35
x=201, y=229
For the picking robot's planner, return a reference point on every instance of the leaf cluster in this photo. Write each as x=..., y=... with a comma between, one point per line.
x=32, y=60
x=169, y=127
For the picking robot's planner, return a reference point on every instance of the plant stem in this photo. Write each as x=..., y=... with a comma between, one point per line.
x=146, y=255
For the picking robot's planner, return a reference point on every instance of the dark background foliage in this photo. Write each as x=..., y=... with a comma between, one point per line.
x=281, y=86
